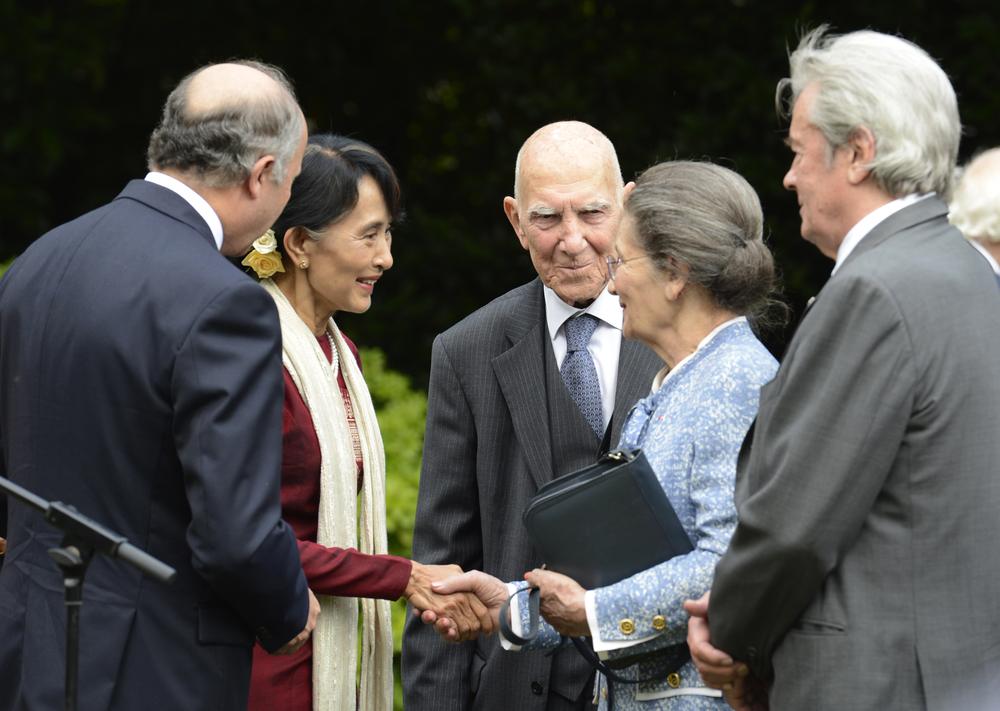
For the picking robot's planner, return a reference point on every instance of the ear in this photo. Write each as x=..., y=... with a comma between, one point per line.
x=677, y=279
x=294, y=242
x=510, y=209
x=629, y=187
x=259, y=172
x=861, y=147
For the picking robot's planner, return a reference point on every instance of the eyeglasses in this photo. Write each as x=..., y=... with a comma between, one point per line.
x=615, y=262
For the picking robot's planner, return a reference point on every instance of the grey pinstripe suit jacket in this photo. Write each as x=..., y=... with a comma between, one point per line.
x=863, y=569
x=487, y=449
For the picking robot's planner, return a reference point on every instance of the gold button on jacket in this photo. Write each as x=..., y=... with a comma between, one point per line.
x=659, y=622
x=627, y=626
x=673, y=680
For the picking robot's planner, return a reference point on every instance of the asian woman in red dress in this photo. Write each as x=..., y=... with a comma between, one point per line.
x=333, y=245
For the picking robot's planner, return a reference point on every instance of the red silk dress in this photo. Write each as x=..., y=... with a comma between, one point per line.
x=285, y=682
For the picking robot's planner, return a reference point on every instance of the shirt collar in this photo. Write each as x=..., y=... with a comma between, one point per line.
x=867, y=223
x=986, y=255
x=605, y=307
x=193, y=199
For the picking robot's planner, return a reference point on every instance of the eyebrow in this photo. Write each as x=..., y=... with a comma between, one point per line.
x=542, y=211
x=373, y=225
x=596, y=205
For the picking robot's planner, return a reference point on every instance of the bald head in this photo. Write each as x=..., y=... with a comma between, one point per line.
x=222, y=118
x=975, y=207
x=221, y=86
x=562, y=149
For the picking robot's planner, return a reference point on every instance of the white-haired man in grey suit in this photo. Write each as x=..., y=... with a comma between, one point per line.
x=501, y=422
x=975, y=206
x=862, y=573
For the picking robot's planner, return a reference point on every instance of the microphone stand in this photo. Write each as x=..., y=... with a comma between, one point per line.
x=82, y=537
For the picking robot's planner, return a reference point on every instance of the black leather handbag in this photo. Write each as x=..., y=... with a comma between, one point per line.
x=605, y=522
x=599, y=525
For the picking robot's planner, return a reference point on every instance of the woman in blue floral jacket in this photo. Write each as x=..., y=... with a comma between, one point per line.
x=689, y=268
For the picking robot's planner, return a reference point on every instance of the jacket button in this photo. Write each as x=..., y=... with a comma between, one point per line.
x=659, y=622
x=627, y=626
x=536, y=688
x=673, y=680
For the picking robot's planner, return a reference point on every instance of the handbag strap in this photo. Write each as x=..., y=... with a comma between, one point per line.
x=507, y=630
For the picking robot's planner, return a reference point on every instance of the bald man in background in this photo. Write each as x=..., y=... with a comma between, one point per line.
x=140, y=381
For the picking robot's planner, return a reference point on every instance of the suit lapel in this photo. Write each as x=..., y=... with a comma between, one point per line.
x=634, y=382
x=521, y=377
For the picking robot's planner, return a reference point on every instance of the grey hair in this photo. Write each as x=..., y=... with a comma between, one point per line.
x=975, y=206
x=611, y=155
x=221, y=145
x=709, y=218
x=891, y=87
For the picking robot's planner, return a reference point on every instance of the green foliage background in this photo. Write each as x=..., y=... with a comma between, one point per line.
x=401, y=410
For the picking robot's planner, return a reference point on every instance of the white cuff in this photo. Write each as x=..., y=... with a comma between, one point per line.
x=600, y=645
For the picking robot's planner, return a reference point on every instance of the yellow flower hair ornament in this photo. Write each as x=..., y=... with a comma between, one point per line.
x=264, y=258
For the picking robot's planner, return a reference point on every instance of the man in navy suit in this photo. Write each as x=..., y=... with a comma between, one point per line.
x=140, y=381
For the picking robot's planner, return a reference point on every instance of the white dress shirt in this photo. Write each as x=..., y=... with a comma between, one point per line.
x=867, y=223
x=193, y=199
x=604, y=346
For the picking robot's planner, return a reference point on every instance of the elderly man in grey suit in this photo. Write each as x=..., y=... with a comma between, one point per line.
x=501, y=421
x=862, y=573
x=975, y=206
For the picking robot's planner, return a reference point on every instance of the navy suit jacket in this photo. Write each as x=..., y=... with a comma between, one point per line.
x=140, y=381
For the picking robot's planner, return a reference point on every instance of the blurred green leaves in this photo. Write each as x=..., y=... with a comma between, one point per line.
x=401, y=410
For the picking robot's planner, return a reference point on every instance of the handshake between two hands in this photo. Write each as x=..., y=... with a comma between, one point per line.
x=462, y=606
x=465, y=605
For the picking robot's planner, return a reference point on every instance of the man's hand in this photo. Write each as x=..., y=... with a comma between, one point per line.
x=466, y=617
x=491, y=592
x=561, y=602
x=747, y=694
x=295, y=644
x=742, y=691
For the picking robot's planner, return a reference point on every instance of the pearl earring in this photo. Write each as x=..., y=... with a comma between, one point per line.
x=303, y=264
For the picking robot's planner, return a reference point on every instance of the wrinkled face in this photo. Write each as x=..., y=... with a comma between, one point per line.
x=819, y=179
x=639, y=287
x=351, y=254
x=567, y=218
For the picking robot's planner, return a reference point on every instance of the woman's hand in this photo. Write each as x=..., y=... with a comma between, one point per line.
x=492, y=592
x=465, y=615
x=562, y=602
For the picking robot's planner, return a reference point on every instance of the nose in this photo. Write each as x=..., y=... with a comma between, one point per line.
x=573, y=241
x=383, y=259
x=611, y=287
x=789, y=180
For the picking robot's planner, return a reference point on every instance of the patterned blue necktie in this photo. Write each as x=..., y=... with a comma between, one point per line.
x=579, y=373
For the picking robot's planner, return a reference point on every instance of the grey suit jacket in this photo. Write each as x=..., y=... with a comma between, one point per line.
x=862, y=571
x=486, y=451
